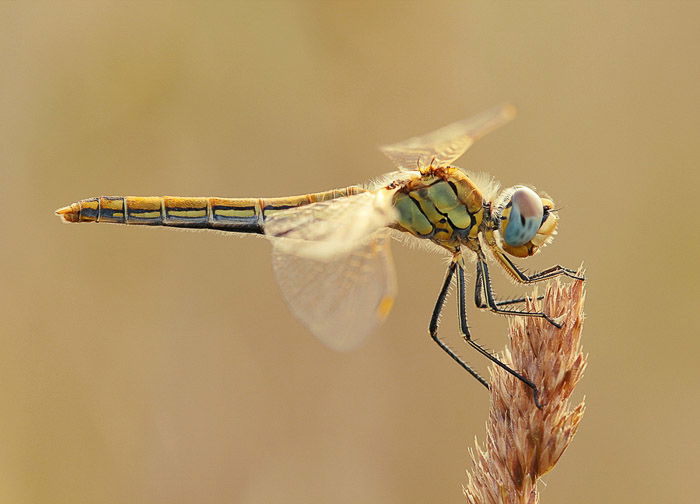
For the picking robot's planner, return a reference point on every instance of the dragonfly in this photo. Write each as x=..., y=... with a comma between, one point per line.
x=331, y=250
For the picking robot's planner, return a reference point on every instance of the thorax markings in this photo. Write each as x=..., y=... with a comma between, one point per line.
x=442, y=205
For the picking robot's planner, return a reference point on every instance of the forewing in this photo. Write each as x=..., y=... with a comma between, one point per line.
x=343, y=300
x=326, y=230
x=444, y=146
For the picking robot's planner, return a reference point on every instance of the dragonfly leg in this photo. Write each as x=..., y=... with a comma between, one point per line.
x=522, y=277
x=507, y=302
x=479, y=292
x=464, y=329
x=483, y=273
x=435, y=322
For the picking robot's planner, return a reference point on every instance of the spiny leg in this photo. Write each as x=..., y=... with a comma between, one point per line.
x=522, y=277
x=479, y=291
x=435, y=322
x=464, y=329
x=483, y=277
x=507, y=302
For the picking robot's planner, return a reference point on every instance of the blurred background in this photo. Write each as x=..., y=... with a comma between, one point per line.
x=155, y=365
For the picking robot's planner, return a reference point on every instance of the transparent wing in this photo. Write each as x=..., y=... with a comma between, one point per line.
x=444, y=146
x=343, y=300
x=329, y=229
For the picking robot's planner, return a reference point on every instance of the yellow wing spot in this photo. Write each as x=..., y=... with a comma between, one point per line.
x=385, y=306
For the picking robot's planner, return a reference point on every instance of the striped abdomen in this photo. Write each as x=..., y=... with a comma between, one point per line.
x=241, y=215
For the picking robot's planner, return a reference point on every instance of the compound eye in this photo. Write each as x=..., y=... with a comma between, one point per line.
x=525, y=217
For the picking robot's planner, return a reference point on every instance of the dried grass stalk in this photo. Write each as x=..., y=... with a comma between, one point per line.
x=522, y=442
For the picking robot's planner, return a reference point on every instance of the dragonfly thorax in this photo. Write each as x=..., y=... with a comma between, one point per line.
x=442, y=205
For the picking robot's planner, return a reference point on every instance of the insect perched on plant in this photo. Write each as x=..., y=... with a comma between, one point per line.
x=331, y=249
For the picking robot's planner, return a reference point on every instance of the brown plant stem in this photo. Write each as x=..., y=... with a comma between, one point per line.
x=522, y=442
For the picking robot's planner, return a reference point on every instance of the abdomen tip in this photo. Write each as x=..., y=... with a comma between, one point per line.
x=70, y=213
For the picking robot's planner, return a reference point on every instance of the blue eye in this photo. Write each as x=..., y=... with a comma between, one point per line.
x=525, y=217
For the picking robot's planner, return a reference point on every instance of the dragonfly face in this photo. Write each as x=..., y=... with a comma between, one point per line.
x=525, y=221
x=331, y=249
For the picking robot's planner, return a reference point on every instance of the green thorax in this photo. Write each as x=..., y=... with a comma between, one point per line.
x=443, y=205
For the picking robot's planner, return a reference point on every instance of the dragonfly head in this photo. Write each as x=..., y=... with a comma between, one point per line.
x=525, y=220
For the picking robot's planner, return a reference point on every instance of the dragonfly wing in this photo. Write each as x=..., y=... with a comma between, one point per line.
x=444, y=146
x=343, y=300
x=329, y=229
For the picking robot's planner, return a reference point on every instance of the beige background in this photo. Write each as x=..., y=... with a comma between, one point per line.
x=151, y=365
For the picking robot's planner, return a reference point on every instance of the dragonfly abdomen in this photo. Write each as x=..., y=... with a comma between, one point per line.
x=239, y=215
